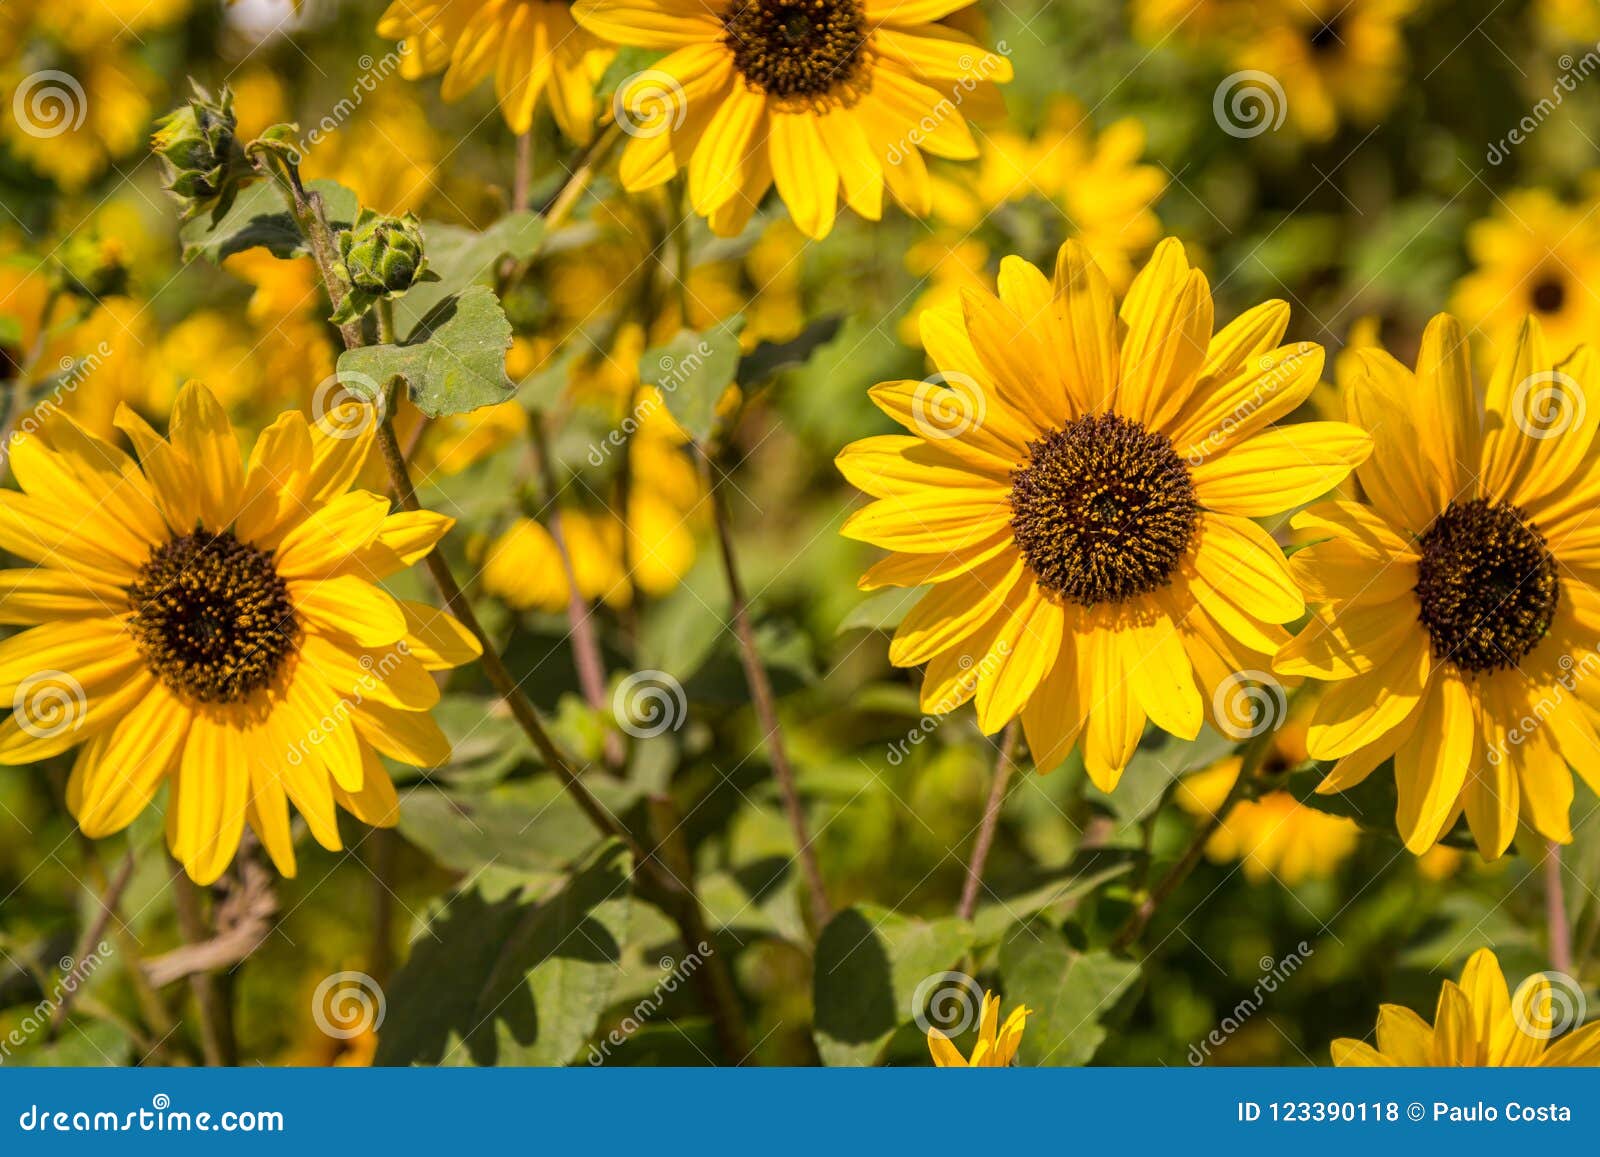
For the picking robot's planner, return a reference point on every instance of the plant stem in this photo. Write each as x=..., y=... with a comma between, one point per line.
x=562, y=204
x=1004, y=763
x=22, y=387
x=522, y=175
x=217, y=1043
x=108, y=899
x=1555, y=911
x=1255, y=751
x=586, y=655
x=766, y=706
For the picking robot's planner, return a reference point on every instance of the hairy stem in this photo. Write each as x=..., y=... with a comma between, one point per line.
x=1555, y=911
x=217, y=1042
x=108, y=900
x=1004, y=763
x=766, y=706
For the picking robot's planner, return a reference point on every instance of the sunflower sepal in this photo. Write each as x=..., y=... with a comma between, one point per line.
x=380, y=258
x=200, y=154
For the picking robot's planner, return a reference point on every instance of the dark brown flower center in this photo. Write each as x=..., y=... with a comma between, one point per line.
x=212, y=618
x=1102, y=510
x=1548, y=295
x=796, y=48
x=1486, y=585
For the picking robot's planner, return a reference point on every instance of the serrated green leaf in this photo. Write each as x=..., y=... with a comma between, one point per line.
x=693, y=371
x=518, y=980
x=870, y=963
x=464, y=257
x=453, y=362
x=258, y=219
x=1069, y=993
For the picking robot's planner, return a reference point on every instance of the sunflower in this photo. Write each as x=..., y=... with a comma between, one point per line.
x=1077, y=489
x=997, y=1043
x=817, y=96
x=83, y=115
x=1273, y=835
x=1457, y=602
x=532, y=47
x=1534, y=255
x=217, y=628
x=1480, y=1022
x=1335, y=59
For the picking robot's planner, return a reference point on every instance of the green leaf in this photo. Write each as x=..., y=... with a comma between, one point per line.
x=1070, y=993
x=259, y=219
x=464, y=257
x=514, y=980
x=10, y=331
x=693, y=371
x=882, y=611
x=1158, y=762
x=1082, y=875
x=454, y=361
x=769, y=359
x=870, y=963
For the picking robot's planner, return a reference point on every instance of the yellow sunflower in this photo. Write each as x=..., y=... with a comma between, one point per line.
x=997, y=1043
x=1078, y=486
x=532, y=47
x=1334, y=59
x=815, y=96
x=1534, y=255
x=1457, y=602
x=216, y=627
x=1480, y=1022
x=1274, y=835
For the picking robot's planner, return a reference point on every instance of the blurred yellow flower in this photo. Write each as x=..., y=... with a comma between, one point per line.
x=1480, y=1022
x=533, y=48
x=997, y=1043
x=1537, y=256
x=81, y=117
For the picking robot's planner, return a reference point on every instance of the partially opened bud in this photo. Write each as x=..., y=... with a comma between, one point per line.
x=199, y=154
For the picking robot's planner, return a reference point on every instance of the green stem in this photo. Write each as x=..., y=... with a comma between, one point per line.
x=1004, y=763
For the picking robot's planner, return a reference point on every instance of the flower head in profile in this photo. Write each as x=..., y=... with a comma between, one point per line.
x=1077, y=486
x=1480, y=1022
x=532, y=47
x=997, y=1043
x=216, y=627
x=1457, y=606
x=820, y=97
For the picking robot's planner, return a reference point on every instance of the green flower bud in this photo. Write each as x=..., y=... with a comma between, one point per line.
x=93, y=267
x=202, y=161
x=383, y=255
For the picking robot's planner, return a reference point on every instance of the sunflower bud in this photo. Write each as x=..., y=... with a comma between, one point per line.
x=93, y=267
x=203, y=162
x=382, y=257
